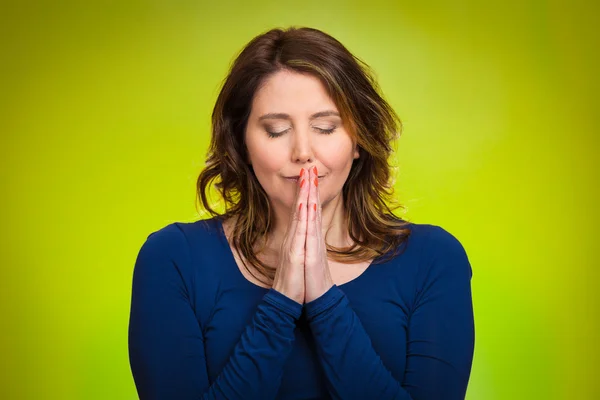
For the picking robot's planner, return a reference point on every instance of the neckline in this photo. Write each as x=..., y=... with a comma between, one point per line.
x=221, y=230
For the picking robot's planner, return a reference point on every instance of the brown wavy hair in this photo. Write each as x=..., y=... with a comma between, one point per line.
x=368, y=191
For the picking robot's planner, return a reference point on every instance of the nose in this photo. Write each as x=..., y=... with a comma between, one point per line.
x=302, y=151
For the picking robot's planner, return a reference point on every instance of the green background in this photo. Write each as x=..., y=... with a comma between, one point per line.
x=105, y=116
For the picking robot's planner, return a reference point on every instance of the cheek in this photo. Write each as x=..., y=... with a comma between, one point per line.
x=337, y=156
x=267, y=161
x=265, y=156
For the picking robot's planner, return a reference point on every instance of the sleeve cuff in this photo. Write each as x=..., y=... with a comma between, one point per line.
x=283, y=303
x=326, y=302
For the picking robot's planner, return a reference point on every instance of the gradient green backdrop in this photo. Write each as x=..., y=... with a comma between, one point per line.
x=104, y=118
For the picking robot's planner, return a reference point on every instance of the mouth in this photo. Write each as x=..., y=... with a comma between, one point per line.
x=295, y=178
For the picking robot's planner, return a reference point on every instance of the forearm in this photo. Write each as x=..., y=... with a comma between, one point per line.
x=352, y=367
x=255, y=367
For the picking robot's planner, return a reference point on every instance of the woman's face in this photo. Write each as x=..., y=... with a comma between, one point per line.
x=294, y=124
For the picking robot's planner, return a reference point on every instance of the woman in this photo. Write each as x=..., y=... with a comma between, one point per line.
x=307, y=286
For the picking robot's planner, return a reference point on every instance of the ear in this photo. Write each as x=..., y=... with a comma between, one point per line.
x=356, y=153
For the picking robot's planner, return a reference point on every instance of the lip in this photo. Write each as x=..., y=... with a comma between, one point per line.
x=295, y=178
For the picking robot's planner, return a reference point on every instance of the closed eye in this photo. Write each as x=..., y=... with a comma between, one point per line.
x=326, y=131
x=277, y=134
x=320, y=130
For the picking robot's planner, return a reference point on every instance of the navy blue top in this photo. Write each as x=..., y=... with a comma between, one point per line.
x=199, y=329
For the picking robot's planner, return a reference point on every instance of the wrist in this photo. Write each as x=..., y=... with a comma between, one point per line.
x=317, y=289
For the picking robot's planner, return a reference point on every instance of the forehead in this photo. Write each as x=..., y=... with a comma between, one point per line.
x=287, y=91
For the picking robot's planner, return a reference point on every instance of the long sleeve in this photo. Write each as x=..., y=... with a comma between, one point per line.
x=440, y=336
x=166, y=343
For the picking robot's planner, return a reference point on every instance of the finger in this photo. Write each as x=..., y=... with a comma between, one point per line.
x=319, y=210
x=312, y=235
x=294, y=215
x=298, y=227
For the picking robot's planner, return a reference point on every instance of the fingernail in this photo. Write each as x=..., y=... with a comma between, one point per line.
x=302, y=183
x=300, y=207
x=301, y=172
x=316, y=182
x=315, y=169
x=315, y=206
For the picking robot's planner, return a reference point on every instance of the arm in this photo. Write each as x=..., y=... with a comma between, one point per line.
x=166, y=345
x=440, y=337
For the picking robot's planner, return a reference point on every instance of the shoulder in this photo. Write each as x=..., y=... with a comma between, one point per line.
x=440, y=252
x=187, y=232
x=177, y=233
x=434, y=238
x=167, y=240
x=178, y=241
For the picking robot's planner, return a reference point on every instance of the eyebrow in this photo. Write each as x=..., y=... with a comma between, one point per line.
x=319, y=114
